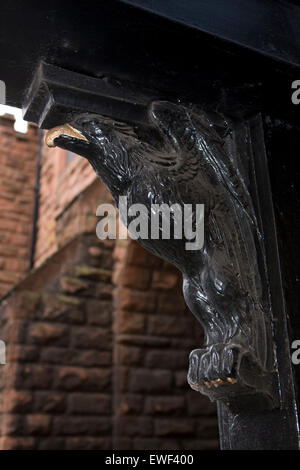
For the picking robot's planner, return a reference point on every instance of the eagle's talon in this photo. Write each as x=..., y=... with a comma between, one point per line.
x=231, y=380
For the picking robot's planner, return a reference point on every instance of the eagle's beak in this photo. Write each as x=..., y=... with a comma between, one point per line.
x=65, y=129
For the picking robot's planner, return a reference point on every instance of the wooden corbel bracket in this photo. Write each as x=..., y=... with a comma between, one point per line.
x=190, y=156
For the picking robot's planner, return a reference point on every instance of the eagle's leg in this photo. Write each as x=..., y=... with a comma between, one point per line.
x=229, y=368
x=229, y=373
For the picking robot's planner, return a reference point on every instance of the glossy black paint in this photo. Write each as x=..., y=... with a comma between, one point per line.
x=116, y=41
x=270, y=28
x=48, y=106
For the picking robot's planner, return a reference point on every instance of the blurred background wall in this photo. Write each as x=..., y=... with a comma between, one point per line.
x=97, y=332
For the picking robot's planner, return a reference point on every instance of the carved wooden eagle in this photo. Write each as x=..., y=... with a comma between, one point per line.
x=187, y=163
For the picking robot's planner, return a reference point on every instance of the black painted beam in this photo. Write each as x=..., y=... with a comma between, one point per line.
x=116, y=41
x=268, y=27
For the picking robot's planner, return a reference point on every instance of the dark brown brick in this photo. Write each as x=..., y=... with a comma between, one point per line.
x=48, y=334
x=181, y=380
x=136, y=277
x=24, y=304
x=90, y=403
x=155, y=444
x=79, y=425
x=96, y=274
x=72, y=285
x=91, y=337
x=174, y=306
x=49, y=402
x=168, y=405
x=37, y=425
x=17, y=401
x=129, y=355
x=75, y=357
x=168, y=326
x=164, y=281
x=51, y=443
x=149, y=380
x=134, y=426
x=34, y=376
x=22, y=353
x=18, y=443
x=13, y=425
x=208, y=427
x=170, y=359
x=137, y=301
x=130, y=323
x=130, y=404
x=199, y=405
x=75, y=378
x=202, y=444
x=88, y=443
x=174, y=426
x=62, y=308
x=98, y=312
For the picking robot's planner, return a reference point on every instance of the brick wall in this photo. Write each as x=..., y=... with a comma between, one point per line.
x=62, y=182
x=56, y=388
x=153, y=335
x=98, y=339
x=18, y=157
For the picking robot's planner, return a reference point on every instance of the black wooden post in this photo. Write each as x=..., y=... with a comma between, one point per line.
x=203, y=78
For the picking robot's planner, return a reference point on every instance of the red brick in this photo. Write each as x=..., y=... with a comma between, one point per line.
x=22, y=353
x=129, y=355
x=36, y=424
x=88, y=337
x=88, y=443
x=130, y=323
x=95, y=251
x=136, y=301
x=172, y=305
x=47, y=333
x=149, y=380
x=76, y=378
x=167, y=359
x=17, y=443
x=174, y=426
x=90, y=403
x=96, y=274
x=164, y=280
x=12, y=424
x=17, y=401
x=136, y=277
x=98, y=312
x=198, y=405
x=34, y=376
x=130, y=404
x=62, y=308
x=72, y=285
x=134, y=426
x=51, y=443
x=49, y=402
x=78, y=425
x=167, y=405
x=168, y=326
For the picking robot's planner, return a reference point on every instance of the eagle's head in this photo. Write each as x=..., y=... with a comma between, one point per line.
x=118, y=154
x=109, y=146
